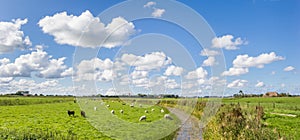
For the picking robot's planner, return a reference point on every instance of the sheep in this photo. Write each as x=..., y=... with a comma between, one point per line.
x=142, y=118
x=107, y=105
x=112, y=112
x=95, y=108
x=121, y=111
x=167, y=116
x=152, y=109
x=146, y=111
x=71, y=112
x=131, y=105
x=162, y=111
x=82, y=114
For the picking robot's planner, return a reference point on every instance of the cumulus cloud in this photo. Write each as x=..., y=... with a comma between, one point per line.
x=37, y=61
x=173, y=70
x=199, y=73
x=149, y=4
x=259, y=61
x=242, y=62
x=260, y=84
x=95, y=69
x=151, y=61
x=235, y=71
x=208, y=52
x=86, y=30
x=12, y=37
x=289, y=68
x=237, y=83
x=158, y=12
x=210, y=61
x=228, y=42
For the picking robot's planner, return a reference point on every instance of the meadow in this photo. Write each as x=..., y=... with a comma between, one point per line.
x=47, y=118
x=249, y=118
x=237, y=118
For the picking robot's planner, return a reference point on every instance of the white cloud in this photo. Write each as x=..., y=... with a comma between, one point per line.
x=12, y=37
x=158, y=12
x=173, y=70
x=235, y=71
x=95, y=69
x=237, y=83
x=242, y=62
x=199, y=73
x=227, y=42
x=149, y=4
x=260, y=84
x=289, y=68
x=210, y=61
x=86, y=30
x=6, y=79
x=259, y=61
x=37, y=61
x=207, y=52
x=273, y=73
x=154, y=60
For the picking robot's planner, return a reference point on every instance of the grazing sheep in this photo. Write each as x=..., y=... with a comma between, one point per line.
x=95, y=108
x=121, y=111
x=152, y=109
x=142, y=118
x=162, y=111
x=82, y=114
x=71, y=112
x=167, y=116
x=146, y=111
x=112, y=112
x=107, y=105
x=131, y=105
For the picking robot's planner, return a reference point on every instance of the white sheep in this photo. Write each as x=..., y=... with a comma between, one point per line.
x=95, y=108
x=131, y=105
x=162, y=111
x=146, y=111
x=152, y=109
x=108, y=105
x=121, y=111
x=142, y=118
x=112, y=112
x=167, y=116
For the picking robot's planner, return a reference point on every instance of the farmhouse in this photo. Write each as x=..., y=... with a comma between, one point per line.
x=271, y=94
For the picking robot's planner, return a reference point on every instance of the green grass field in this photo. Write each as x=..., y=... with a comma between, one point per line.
x=276, y=113
x=47, y=118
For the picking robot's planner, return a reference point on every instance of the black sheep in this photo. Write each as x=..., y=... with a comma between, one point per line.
x=82, y=114
x=71, y=112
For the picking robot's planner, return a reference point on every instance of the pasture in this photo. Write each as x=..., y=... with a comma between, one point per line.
x=47, y=118
x=280, y=114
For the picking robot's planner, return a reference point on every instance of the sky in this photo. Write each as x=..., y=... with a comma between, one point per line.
x=188, y=48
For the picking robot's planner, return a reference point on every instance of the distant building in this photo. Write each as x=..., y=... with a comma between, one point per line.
x=271, y=94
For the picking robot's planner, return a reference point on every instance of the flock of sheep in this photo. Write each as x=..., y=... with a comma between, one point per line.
x=142, y=118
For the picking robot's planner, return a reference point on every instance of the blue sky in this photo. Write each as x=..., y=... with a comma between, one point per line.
x=152, y=47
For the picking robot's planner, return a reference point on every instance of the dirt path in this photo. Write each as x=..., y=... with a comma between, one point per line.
x=189, y=126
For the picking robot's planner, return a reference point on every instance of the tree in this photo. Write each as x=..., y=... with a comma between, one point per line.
x=241, y=93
